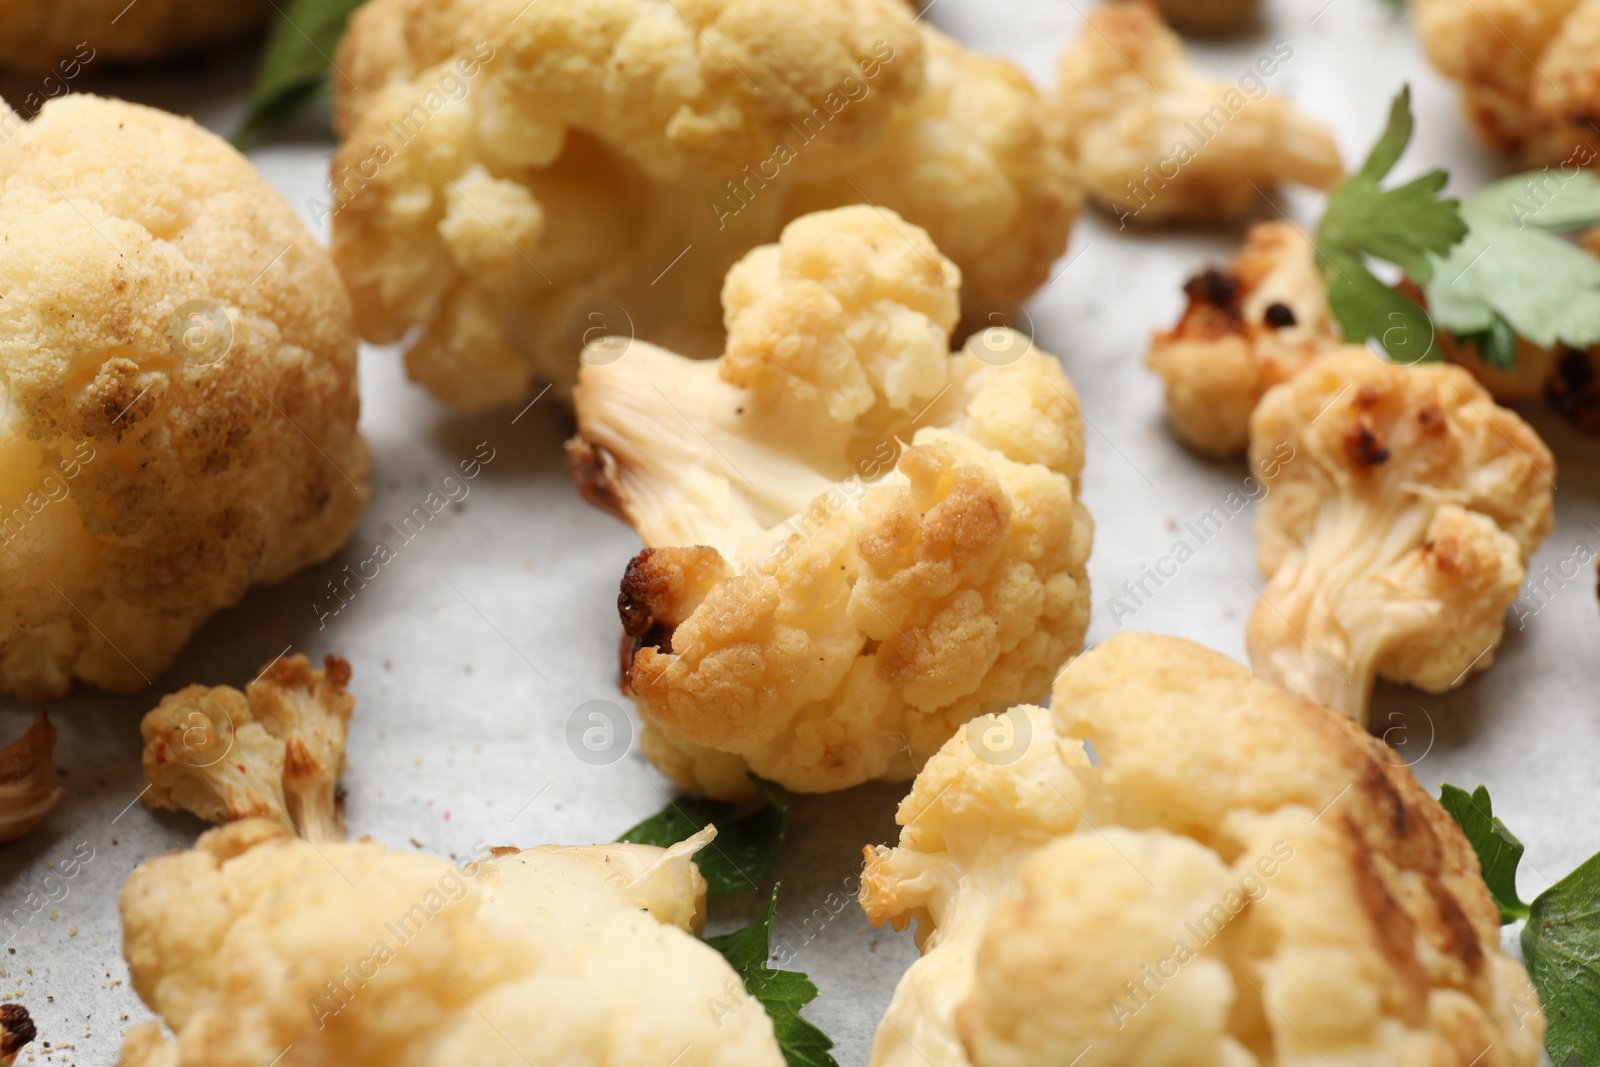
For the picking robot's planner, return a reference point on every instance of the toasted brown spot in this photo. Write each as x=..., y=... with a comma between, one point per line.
x=16, y=1029
x=1279, y=316
x=1363, y=447
x=1431, y=419
x=1214, y=286
x=592, y=471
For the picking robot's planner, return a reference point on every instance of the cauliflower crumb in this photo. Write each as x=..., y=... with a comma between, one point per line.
x=178, y=376
x=1239, y=877
x=1399, y=533
x=275, y=750
x=855, y=541
x=600, y=168
x=1158, y=140
x=253, y=941
x=28, y=790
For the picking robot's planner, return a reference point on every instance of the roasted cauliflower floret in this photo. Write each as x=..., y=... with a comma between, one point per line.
x=1247, y=327
x=35, y=37
x=254, y=946
x=275, y=750
x=1529, y=71
x=28, y=789
x=178, y=369
x=1207, y=16
x=1239, y=877
x=1158, y=140
x=855, y=540
x=1399, y=533
x=515, y=179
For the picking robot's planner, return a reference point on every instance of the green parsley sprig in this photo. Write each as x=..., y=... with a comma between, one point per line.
x=748, y=841
x=294, y=66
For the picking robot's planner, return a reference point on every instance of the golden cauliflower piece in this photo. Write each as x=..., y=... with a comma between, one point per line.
x=35, y=36
x=178, y=371
x=1529, y=71
x=1398, y=533
x=1247, y=327
x=1158, y=140
x=855, y=540
x=254, y=946
x=516, y=180
x=1239, y=878
x=275, y=750
x=28, y=790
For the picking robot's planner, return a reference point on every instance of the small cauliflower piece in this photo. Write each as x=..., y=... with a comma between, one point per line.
x=1529, y=71
x=178, y=395
x=1398, y=532
x=254, y=948
x=275, y=750
x=1238, y=879
x=855, y=540
x=1158, y=140
x=36, y=37
x=1247, y=327
x=16, y=1031
x=514, y=180
x=28, y=790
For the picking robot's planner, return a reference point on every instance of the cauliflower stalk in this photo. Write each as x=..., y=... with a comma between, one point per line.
x=855, y=540
x=254, y=945
x=275, y=750
x=513, y=179
x=1399, y=533
x=1239, y=878
x=28, y=789
x=1248, y=327
x=1158, y=140
x=178, y=377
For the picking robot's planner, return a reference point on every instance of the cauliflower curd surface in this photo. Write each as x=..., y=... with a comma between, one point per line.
x=255, y=947
x=1238, y=878
x=516, y=179
x=178, y=394
x=1399, y=534
x=855, y=540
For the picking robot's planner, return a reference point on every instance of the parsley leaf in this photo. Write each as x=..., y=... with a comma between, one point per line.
x=1561, y=940
x=1498, y=851
x=781, y=993
x=1515, y=273
x=748, y=842
x=1401, y=225
x=294, y=64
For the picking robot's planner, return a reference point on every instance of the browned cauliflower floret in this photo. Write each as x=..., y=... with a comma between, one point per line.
x=275, y=750
x=1247, y=327
x=514, y=179
x=1207, y=16
x=35, y=36
x=28, y=790
x=855, y=540
x=1156, y=139
x=255, y=949
x=1398, y=533
x=1529, y=71
x=16, y=1031
x=1239, y=878
x=178, y=371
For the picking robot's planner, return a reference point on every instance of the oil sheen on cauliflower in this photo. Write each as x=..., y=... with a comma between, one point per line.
x=855, y=540
x=37, y=36
x=1529, y=71
x=1399, y=533
x=1247, y=327
x=28, y=789
x=275, y=750
x=254, y=947
x=1239, y=878
x=1158, y=140
x=178, y=394
x=513, y=179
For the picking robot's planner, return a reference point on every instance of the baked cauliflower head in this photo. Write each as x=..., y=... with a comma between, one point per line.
x=275, y=750
x=35, y=36
x=254, y=945
x=1247, y=327
x=1529, y=71
x=1158, y=140
x=1398, y=533
x=28, y=789
x=1237, y=878
x=516, y=179
x=855, y=539
x=178, y=377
